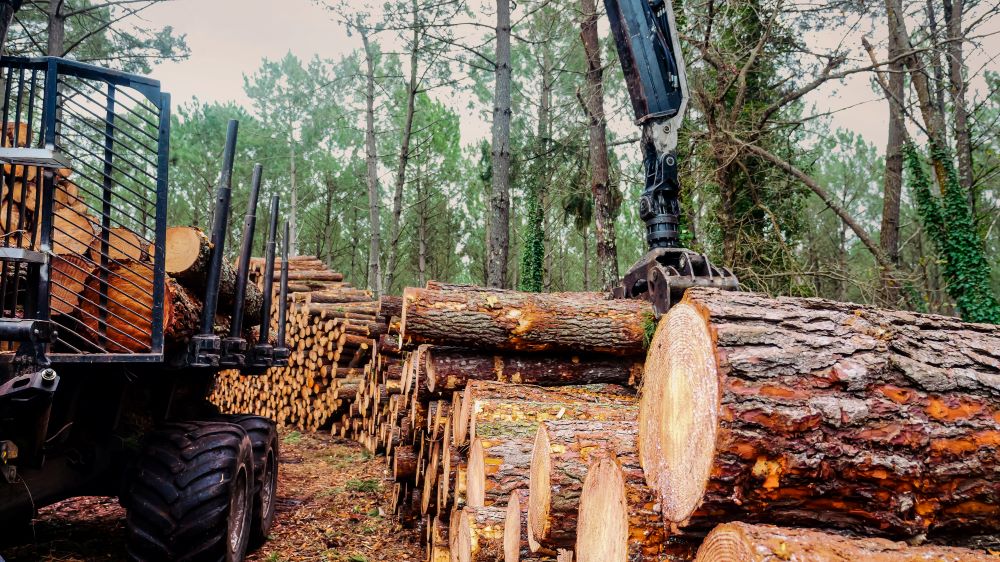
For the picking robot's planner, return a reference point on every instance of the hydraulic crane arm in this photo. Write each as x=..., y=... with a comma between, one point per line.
x=649, y=49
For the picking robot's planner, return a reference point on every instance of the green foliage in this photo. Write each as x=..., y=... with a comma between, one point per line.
x=293, y=438
x=533, y=253
x=366, y=486
x=949, y=224
x=649, y=325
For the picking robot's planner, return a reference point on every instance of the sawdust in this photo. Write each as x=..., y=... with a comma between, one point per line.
x=333, y=503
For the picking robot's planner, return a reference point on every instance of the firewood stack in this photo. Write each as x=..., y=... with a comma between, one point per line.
x=552, y=427
x=330, y=330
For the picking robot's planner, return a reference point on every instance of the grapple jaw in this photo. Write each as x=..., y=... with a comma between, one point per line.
x=663, y=274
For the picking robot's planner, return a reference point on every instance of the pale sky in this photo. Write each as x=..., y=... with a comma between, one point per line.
x=228, y=39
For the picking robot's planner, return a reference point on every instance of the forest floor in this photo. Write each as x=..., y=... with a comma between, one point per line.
x=332, y=506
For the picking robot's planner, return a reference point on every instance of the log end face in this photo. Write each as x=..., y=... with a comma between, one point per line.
x=726, y=543
x=679, y=411
x=183, y=245
x=512, y=529
x=539, y=491
x=476, y=477
x=602, y=524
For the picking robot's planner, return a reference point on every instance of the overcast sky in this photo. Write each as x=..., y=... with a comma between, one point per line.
x=228, y=39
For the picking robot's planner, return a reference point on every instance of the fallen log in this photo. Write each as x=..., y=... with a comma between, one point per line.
x=449, y=368
x=808, y=412
x=187, y=257
x=512, y=321
x=741, y=542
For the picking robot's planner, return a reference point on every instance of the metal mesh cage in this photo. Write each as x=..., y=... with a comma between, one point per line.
x=84, y=184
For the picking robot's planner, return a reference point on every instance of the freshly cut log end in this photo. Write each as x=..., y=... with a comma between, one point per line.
x=513, y=529
x=740, y=542
x=602, y=524
x=679, y=411
x=476, y=479
x=815, y=413
x=186, y=248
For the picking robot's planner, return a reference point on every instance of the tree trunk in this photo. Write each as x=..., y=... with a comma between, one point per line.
x=447, y=369
x=562, y=453
x=404, y=154
x=893, y=182
x=604, y=204
x=498, y=237
x=7, y=11
x=831, y=414
x=187, y=256
x=56, y=45
x=371, y=159
x=760, y=543
x=511, y=321
x=422, y=235
x=953, y=12
x=293, y=212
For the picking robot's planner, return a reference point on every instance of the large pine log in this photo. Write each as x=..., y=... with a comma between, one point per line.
x=68, y=275
x=740, y=542
x=521, y=407
x=126, y=327
x=187, y=257
x=563, y=451
x=450, y=368
x=504, y=420
x=507, y=320
x=808, y=412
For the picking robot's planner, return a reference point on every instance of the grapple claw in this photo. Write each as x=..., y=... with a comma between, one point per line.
x=663, y=274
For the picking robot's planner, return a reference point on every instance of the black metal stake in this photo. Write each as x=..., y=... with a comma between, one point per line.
x=263, y=352
x=205, y=346
x=234, y=347
x=281, y=351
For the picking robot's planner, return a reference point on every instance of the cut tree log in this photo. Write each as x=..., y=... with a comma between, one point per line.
x=122, y=244
x=450, y=368
x=480, y=534
x=126, y=326
x=617, y=519
x=73, y=230
x=741, y=542
x=507, y=320
x=562, y=453
x=808, y=412
x=68, y=275
x=187, y=257
x=515, y=528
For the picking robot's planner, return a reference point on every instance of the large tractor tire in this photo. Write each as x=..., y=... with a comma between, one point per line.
x=264, y=438
x=189, y=497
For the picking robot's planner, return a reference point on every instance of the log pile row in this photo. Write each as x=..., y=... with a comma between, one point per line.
x=543, y=427
x=330, y=330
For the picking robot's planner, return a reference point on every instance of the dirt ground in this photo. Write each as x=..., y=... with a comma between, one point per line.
x=332, y=507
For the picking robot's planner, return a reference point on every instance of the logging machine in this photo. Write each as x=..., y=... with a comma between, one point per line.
x=105, y=361
x=649, y=49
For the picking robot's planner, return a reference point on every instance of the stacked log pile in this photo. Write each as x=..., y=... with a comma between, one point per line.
x=330, y=330
x=543, y=427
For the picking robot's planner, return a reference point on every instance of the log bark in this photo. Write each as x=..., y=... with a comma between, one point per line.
x=511, y=321
x=741, y=542
x=806, y=412
x=448, y=369
x=187, y=257
x=480, y=534
x=487, y=405
x=562, y=453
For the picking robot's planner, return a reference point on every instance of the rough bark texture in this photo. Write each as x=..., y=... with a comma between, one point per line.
x=740, y=542
x=187, y=259
x=498, y=465
x=486, y=405
x=593, y=103
x=506, y=320
x=498, y=235
x=831, y=414
x=562, y=453
x=449, y=368
x=480, y=534
x=893, y=182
